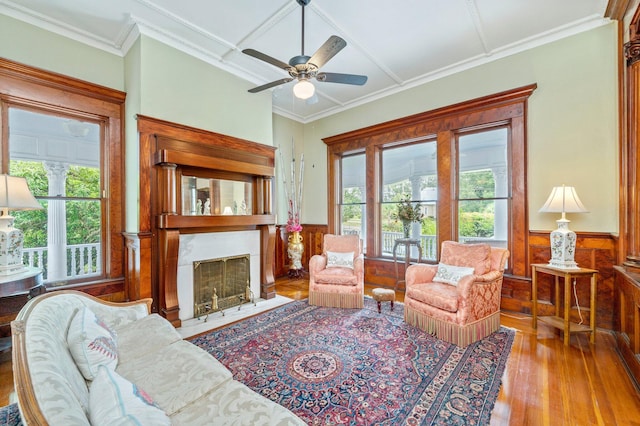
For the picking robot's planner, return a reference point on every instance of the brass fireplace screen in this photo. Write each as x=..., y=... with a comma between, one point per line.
x=219, y=284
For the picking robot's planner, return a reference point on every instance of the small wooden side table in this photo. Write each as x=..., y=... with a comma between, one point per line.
x=15, y=290
x=563, y=322
x=407, y=242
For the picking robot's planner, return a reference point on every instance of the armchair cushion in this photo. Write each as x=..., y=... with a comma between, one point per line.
x=442, y=296
x=476, y=256
x=339, y=259
x=336, y=276
x=451, y=274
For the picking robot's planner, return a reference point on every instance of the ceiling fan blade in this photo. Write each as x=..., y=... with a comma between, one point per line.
x=266, y=58
x=327, y=51
x=270, y=85
x=332, y=77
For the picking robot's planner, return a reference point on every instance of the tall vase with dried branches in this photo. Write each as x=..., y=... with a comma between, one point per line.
x=293, y=193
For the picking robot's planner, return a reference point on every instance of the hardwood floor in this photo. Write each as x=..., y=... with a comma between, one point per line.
x=545, y=383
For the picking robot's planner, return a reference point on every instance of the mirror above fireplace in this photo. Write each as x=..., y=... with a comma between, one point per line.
x=210, y=197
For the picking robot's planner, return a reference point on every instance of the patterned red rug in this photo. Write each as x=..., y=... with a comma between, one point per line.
x=354, y=366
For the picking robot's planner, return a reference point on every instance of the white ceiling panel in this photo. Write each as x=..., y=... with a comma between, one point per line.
x=395, y=43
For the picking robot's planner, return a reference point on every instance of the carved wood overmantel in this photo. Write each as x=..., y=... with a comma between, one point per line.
x=169, y=151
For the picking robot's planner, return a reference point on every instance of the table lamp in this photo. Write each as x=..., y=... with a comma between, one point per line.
x=563, y=199
x=14, y=195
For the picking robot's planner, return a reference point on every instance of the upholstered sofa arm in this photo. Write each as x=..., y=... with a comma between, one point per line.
x=358, y=267
x=358, y=262
x=317, y=263
x=473, y=288
x=467, y=283
x=488, y=277
x=420, y=273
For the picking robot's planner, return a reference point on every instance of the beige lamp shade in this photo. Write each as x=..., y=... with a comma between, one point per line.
x=563, y=199
x=15, y=194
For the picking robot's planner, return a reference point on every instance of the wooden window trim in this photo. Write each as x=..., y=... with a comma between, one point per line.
x=505, y=108
x=27, y=87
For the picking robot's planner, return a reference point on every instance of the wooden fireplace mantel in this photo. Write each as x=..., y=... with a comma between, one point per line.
x=167, y=150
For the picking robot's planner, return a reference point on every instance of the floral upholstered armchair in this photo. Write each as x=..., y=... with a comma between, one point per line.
x=336, y=277
x=457, y=300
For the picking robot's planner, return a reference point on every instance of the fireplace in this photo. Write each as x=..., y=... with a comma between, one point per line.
x=171, y=156
x=219, y=284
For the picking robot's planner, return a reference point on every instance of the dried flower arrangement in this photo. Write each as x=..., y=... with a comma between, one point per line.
x=408, y=211
x=294, y=193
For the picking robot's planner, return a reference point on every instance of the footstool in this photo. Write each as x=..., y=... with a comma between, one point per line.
x=383, y=295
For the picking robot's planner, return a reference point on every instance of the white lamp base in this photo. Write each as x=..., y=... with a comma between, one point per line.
x=10, y=247
x=563, y=246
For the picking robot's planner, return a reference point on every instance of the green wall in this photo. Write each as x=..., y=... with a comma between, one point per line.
x=180, y=88
x=39, y=48
x=133, y=76
x=572, y=125
x=285, y=133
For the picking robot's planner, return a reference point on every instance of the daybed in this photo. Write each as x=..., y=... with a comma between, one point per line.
x=78, y=360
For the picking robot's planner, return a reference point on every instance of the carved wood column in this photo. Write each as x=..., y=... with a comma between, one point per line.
x=267, y=182
x=168, y=245
x=267, y=253
x=629, y=162
x=167, y=181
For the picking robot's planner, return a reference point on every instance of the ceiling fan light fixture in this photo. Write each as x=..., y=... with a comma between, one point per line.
x=304, y=89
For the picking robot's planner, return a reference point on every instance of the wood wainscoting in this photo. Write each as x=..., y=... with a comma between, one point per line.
x=312, y=236
x=594, y=251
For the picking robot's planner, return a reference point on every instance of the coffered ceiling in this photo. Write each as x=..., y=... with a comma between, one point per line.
x=398, y=44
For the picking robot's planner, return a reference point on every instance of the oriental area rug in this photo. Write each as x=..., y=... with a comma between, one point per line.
x=335, y=366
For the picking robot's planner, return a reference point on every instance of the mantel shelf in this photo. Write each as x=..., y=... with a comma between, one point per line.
x=169, y=221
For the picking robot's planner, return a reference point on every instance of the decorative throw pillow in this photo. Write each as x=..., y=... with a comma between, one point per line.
x=451, y=274
x=339, y=260
x=92, y=343
x=113, y=400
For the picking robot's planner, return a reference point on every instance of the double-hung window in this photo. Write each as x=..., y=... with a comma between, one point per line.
x=483, y=190
x=353, y=214
x=65, y=136
x=409, y=173
x=60, y=158
x=464, y=165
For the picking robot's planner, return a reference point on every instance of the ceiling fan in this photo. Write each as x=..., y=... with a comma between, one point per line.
x=303, y=67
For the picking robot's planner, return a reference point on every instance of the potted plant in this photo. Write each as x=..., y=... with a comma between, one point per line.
x=408, y=213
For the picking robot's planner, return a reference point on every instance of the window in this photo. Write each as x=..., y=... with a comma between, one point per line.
x=465, y=165
x=483, y=187
x=352, y=193
x=60, y=158
x=409, y=172
x=65, y=136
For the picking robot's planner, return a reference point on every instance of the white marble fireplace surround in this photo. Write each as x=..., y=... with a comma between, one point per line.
x=214, y=245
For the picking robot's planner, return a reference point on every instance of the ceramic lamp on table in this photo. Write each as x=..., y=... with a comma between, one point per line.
x=14, y=195
x=563, y=199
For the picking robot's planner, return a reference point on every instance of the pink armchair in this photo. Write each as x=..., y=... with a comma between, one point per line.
x=336, y=277
x=458, y=300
